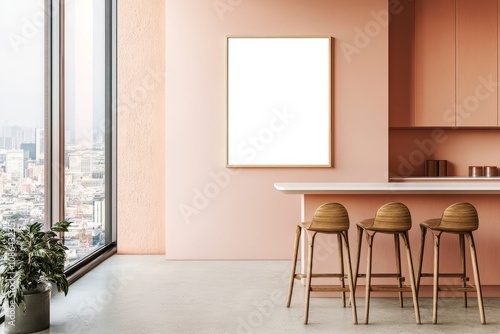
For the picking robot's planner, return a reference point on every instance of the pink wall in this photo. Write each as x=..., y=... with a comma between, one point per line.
x=141, y=127
x=213, y=212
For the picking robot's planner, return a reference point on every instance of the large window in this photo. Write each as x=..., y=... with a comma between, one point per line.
x=57, y=118
x=86, y=86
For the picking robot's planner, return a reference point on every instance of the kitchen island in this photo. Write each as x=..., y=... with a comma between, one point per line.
x=425, y=200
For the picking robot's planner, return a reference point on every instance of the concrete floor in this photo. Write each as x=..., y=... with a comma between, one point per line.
x=147, y=294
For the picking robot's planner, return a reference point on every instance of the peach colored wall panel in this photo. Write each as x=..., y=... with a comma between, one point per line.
x=214, y=212
x=141, y=127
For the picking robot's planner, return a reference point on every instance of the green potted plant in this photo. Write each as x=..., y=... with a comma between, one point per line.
x=30, y=260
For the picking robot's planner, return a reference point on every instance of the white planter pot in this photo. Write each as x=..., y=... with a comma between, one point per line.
x=36, y=317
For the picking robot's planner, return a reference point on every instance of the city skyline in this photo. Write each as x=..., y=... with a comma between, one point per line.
x=22, y=193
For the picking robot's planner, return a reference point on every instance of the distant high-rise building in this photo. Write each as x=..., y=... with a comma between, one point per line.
x=75, y=162
x=99, y=213
x=14, y=163
x=30, y=150
x=40, y=144
x=3, y=155
x=6, y=143
x=11, y=137
x=17, y=135
x=86, y=163
x=36, y=172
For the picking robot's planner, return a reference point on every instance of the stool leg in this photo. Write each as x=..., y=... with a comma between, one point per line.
x=341, y=262
x=462, y=265
x=398, y=267
x=369, y=239
x=358, y=253
x=476, y=277
x=294, y=264
x=423, y=231
x=310, y=237
x=436, y=279
x=352, y=287
x=406, y=240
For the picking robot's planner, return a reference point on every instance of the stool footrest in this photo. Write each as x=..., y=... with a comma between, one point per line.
x=382, y=275
x=459, y=288
x=329, y=288
x=458, y=275
x=299, y=276
x=390, y=288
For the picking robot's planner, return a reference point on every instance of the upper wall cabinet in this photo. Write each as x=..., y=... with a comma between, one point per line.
x=434, y=63
x=476, y=57
x=453, y=71
x=401, y=69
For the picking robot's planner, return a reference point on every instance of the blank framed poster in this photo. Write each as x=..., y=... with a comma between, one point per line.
x=278, y=101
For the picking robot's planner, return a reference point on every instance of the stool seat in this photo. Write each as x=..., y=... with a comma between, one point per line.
x=329, y=218
x=391, y=218
x=368, y=225
x=322, y=229
x=431, y=223
x=459, y=218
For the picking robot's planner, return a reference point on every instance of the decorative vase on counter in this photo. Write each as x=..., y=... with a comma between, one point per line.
x=436, y=168
x=490, y=171
x=475, y=171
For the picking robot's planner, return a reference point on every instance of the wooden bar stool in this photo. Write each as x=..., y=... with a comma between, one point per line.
x=392, y=218
x=329, y=218
x=461, y=219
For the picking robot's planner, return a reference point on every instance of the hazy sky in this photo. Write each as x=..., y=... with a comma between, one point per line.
x=21, y=62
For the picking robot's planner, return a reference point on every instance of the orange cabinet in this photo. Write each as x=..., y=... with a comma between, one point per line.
x=401, y=67
x=476, y=62
x=434, y=63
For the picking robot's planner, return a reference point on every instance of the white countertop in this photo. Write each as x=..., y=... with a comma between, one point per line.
x=389, y=188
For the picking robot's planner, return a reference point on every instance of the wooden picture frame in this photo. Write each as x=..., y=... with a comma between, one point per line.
x=278, y=101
